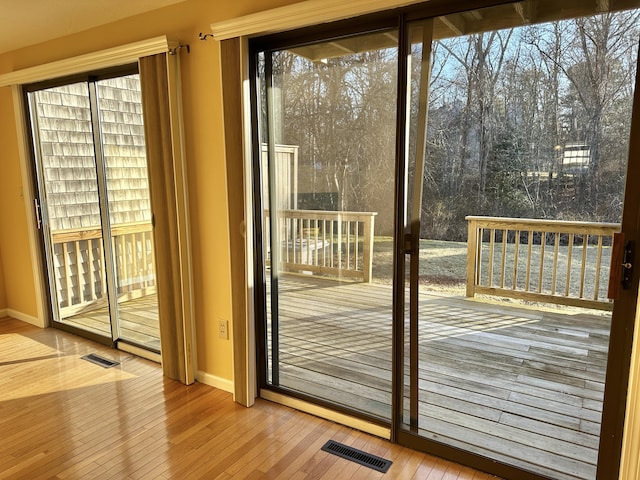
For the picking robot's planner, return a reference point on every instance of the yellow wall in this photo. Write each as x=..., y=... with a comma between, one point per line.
x=205, y=160
x=3, y=296
x=18, y=293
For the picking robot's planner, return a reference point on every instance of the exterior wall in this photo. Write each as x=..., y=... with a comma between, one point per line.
x=64, y=125
x=67, y=153
x=66, y=138
x=203, y=125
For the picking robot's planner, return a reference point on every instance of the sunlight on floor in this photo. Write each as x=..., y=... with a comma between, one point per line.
x=49, y=369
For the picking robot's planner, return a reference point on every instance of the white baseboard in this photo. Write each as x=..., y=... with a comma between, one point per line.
x=4, y=312
x=214, y=381
x=24, y=317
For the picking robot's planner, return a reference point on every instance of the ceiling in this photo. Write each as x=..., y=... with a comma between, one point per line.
x=27, y=22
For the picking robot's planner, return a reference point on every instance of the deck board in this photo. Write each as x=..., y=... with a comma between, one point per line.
x=138, y=321
x=524, y=386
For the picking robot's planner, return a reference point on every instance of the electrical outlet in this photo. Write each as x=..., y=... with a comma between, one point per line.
x=223, y=329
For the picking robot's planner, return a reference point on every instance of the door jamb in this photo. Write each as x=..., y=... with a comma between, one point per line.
x=28, y=193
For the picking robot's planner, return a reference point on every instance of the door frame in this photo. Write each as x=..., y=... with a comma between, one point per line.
x=102, y=59
x=370, y=23
x=43, y=247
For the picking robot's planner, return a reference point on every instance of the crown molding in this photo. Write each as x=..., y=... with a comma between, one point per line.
x=302, y=14
x=91, y=61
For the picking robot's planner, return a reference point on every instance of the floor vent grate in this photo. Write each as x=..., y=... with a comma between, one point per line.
x=358, y=456
x=98, y=360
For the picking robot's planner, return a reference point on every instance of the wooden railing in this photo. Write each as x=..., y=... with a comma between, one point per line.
x=325, y=242
x=551, y=261
x=79, y=265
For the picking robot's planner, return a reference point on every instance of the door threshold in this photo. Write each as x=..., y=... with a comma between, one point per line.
x=327, y=414
x=140, y=352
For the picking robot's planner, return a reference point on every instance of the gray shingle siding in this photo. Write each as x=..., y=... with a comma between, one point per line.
x=66, y=141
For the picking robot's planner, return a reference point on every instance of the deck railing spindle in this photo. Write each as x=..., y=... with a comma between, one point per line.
x=503, y=260
x=554, y=275
x=569, y=262
x=543, y=242
x=528, y=271
x=585, y=243
x=492, y=235
x=596, y=287
x=515, y=260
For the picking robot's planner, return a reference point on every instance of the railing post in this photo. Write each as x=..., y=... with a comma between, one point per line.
x=472, y=256
x=367, y=254
x=339, y=241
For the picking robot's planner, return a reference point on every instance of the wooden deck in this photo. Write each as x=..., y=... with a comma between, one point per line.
x=138, y=321
x=518, y=385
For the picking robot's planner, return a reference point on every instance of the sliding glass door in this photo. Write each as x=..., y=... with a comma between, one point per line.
x=93, y=207
x=326, y=157
x=440, y=209
x=518, y=152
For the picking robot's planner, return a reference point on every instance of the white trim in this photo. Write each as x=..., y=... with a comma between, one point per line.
x=302, y=14
x=111, y=57
x=24, y=317
x=214, y=381
x=353, y=422
x=4, y=313
x=250, y=339
x=29, y=194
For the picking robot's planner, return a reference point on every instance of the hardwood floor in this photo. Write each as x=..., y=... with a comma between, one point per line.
x=64, y=418
x=521, y=386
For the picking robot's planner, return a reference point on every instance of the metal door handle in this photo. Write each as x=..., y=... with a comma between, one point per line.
x=36, y=206
x=627, y=266
x=621, y=267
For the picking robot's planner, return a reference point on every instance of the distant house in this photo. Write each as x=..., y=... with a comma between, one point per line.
x=575, y=157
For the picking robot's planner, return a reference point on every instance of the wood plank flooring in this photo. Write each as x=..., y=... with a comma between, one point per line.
x=522, y=386
x=64, y=418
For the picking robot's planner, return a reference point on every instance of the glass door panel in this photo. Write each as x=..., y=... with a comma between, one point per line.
x=520, y=193
x=328, y=115
x=127, y=189
x=63, y=132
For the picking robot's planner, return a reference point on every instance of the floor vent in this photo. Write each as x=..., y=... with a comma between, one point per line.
x=358, y=456
x=98, y=360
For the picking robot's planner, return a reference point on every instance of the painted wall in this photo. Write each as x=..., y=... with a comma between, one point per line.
x=17, y=294
x=205, y=160
x=3, y=296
